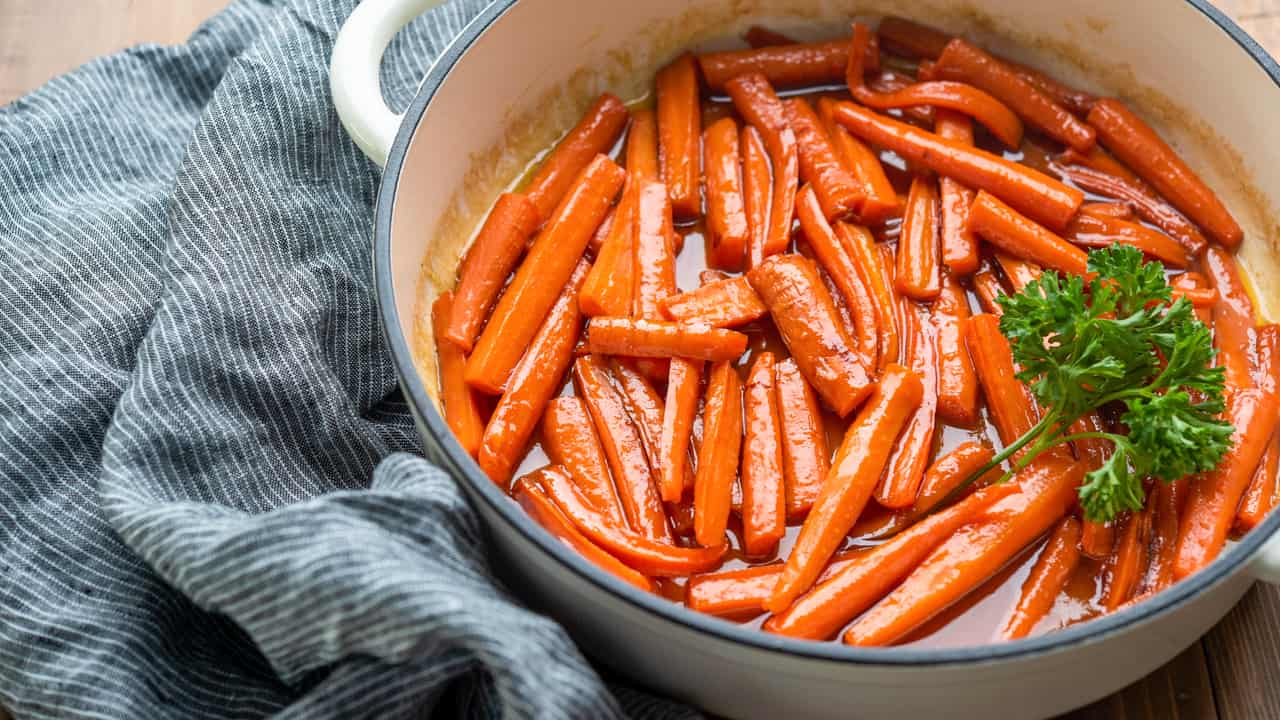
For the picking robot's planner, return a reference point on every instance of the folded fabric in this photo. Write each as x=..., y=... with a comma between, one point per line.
x=210, y=504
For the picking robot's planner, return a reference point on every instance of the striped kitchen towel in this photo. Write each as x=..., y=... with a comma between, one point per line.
x=211, y=503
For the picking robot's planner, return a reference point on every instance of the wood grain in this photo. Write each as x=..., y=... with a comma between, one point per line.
x=1227, y=675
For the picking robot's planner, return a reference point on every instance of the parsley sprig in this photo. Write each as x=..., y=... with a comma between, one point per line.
x=1120, y=339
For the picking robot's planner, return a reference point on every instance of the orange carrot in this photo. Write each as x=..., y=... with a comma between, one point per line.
x=901, y=481
x=1195, y=284
x=879, y=200
x=1137, y=145
x=535, y=381
x=1167, y=504
x=1097, y=538
x=1022, y=237
x=644, y=405
x=654, y=258
x=1020, y=273
x=1009, y=402
x=658, y=339
x=957, y=381
x=491, y=258
x=948, y=472
x=598, y=238
x=959, y=246
x=718, y=457
x=1126, y=565
x=1145, y=202
x=1260, y=497
x=1116, y=210
x=796, y=65
x=836, y=190
x=727, y=224
x=642, y=147
x=758, y=37
x=677, y=426
x=859, y=462
x=739, y=593
x=723, y=303
x=1224, y=273
x=866, y=258
x=757, y=189
x=542, y=276
x=988, y=288
x=461, y=409
x=679, y=129
x=570, y=441
x=610, y=286
x=918, y=250
x=595, y=134
x=756, y=101
x=1233, y=317
x=805, y=460
x=763, y=494
x=1093, y=230
x=835, y=259
x=1030, y=191
x=1058, y=559
x=954, y=96
x=806, y=318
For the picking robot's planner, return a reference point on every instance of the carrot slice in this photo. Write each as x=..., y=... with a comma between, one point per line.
x=959, y=246
x=988, y=288
x=805, y=460
x=795, y=65
x=866, y=257
x=718, y=457
x=1058, y=559
x=835, y=259
x=757, y=190
x=595, y=134
x=660, y=339
x=901, y=481
x=954, y=96
x=758, y=37
x=1094, y=230
x=1022, y=237
x=610, y=286
x=957, y=380
x=1009, y=402
x=542, y=276
x=836, y=190
x=859, y=461
x=1126, y=565
x=756, y=101
x=1169, y=497
x=764, y=518
x=1030, y=191
x=644, y=405
x=727, y=224
x=918, y=250
x=679, y=130
x=1145, y=202
x=722, y=303
x=642, y=147
x=879, y=200
x=535, y=381
x=677, y=426
x=1137, y=145
x=461, y=408
x=807, y=320
x=570, y=441
x=654, y=261
x=1116, y=210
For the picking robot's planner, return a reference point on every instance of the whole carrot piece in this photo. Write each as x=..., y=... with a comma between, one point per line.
x=461, y=410
x=1022, y=237
x=642, y=147
x=806, y=318
x=570, y=441
x=1167, y=504
x=857, y=467
x=957, y=380
x=542, y=276
x=764, y=518
x=660, y=339
x=866, y=257
x=959, y=246
x=683, y=385
x=805, y=460
x=726, y=211
x=610, y=286
x=1234, y=317
x=644, y=405
x=836, y=190
x=795, y=65
x=1009, y=402
x=727, y=302
x=1145, y=202
x=1058, y=559
x=835, y=259
x=679, y=129
x=756, y=101
x=757, y=189
x=1091, y=229
x=654, y=261
x=742, y=592
x=952, y=96
x=918, y=275
x=718, y=457
x=879, y=200
x=1137, y=145
x=901, y=481
x=949, y=471
x=595, y=134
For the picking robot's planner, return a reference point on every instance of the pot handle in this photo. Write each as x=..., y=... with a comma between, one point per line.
x=353, y=72
x=1266, y=564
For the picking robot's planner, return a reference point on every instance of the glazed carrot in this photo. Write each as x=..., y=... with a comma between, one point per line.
x=806, y=318
x=727, y=224
x=859, y=461
x=642, y=147
x=758, y=37
x=957, y=380
x=595, y=134
x=679, y=128
x=1117, y=210
x=757, y=189
x=879, y=200
x=1224, y=274
x=644, y=405
x=598, y=238
x=805, y=460
x=866, y=257
x=1009, y=402
x=1149, y=207
x=911, y=39
x=718, y=457
x=1093, y=230
x=1195, y=284
x=491, y=258
x=653, y=257
x=1139, y=147
x=1199, y=297
x=855, y=66
x=949, y=471
x=1233, y=317
x=1260, y=497
x=677, y=426
x=541, y=277
x=1125, y=568
x=759, y=105
x=901, y=481
x=1022, y=237
x=722, y=303
x=570, y=441
x=959, y=246
x=974, y=553
x=918, y=276
x=1058, y=559
x=965, y=63
x=1031, y=192
x=658, y=339
x=830, y=605
x=653, y=558
x=609, y=287
x=796, y=65
x=954, y=96
x=623, y=448
x=835, y=259
x=461, y=410
x=764, y=518
x=533, y=498
x=837, y=191
x=1167, y=503
x=739, y=593
x=535, y=380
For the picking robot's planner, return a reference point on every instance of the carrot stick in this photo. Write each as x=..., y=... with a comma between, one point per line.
x=726, y=212
x=764, y=517
x=859, y=461
x=742, y=592
x=901, y=481
x=1058, y=559
x=1117, y=210
x=1260, y=497
x=837, y=191
x=830, y=605
x=835, y=259
x=461, y=409
x=610, y=286
x=718, y=457
x=722, y=303
x=959, y=246
x=491, y=258
x=654, y=261
x=965, y=63
x=595, y=134
x=677, y=426
x=644, y=405
x=623, y=448
x=757, y=189
x=535, y=380
x=1195, y=284
x=1149, y=207
x=1009, y=402
x=1047, y=487
x=1137, y=145
x=1224, y=274
x=658, y=339
x=679, y=129
x=957, y=380
x=758, y=37
x=1198, y=297
x=541, y=277
x=598, y=238
x=805, y=460
x=1167, y=503
x=910, y=39
x=948, y=472
x=796, y=65
x=1028, y=190
x=958, y=97
x=806, y=318
x=1125, y=567
x=862, y=249
x=570, y=441
x=651, y=557
x=1094, y=230
x=879, y=200
x=1233, y=317
x=918, y=251
x=1022, y=237
x=1017, y=271
x=642, y=147
x=759, y=105
x=535, y=501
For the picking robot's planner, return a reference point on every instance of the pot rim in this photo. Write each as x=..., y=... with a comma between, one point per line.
x=462, y=465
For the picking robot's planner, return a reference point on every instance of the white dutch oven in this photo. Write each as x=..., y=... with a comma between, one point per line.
x=520, y=74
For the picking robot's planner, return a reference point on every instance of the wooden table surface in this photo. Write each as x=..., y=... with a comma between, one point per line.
x=1226, y=675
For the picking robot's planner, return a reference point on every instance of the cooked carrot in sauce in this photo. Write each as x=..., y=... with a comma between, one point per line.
x=933, y=348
